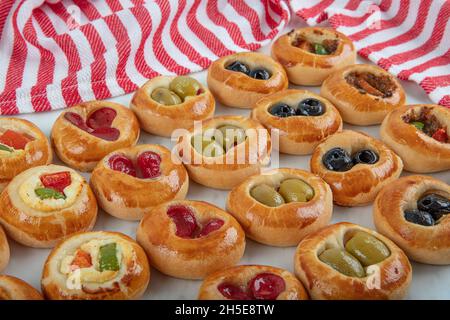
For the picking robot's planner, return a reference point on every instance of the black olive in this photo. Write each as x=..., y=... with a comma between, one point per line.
x=435, y=204
x=419, y=217
x=365, y=156
x=310, y=107
x=337, y=159
x=282, y=110
x=260, y=74
x=238, y=67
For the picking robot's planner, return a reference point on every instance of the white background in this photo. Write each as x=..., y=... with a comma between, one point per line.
x=428, y=282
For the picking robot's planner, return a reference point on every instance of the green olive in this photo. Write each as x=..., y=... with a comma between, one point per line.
x=296, y=190
x=343, y=262
x=165, y=96
x=206, y=146
x=367, y=249
x=267, y=195
x=185, y=86
x=231, y=135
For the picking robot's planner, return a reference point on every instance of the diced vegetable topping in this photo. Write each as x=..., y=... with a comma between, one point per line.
x=320, y=49
x=419, y=125
x=14, y=139
x=440, y=135
x=56, y=181
x=5, y=148
x=108, y=257
x=46, y=193
x=82, y=260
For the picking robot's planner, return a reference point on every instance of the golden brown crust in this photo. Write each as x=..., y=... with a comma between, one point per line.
x=419, y=152
x=224, y=172
x=190, y=258
x=37, y=152
x=324, y=282
x=128, y=197
x=82, y=150
x=12, y=288
x=162, y=120
x=241, y=275
x=359, y=185
x=298, y=134
x=356, y=107
x=45, y=228
x=4, y=250
x=236, y=89
x=309, y=69
x=287, y=224
x=423, y=244
x=133, y=282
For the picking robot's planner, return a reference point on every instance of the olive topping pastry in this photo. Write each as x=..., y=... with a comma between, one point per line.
x=430, y=208
x=337, y=159
x=218, y=141
x=259, y=74
x=306, y=107
x=290, y=190
x=180, y=88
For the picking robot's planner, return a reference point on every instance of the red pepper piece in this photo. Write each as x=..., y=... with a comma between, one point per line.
x=57, y=181
x=14, y=139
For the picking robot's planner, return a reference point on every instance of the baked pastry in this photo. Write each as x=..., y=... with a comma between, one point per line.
x=129, y=182
x=165, y=104
x=241, y=79
x=356, y=166
x=414, y=212
x=190, y=239
x=4, y=250
x=364, y=94
x=282, y=206
x=12, y=288
x=45, y=204
x=419, y=134
x=303, y=119
x=345, y=261
x=96, y=266
x=22, y=146
x=224, y=151
x=84, y=134
x=252, y=282
x=310, y=55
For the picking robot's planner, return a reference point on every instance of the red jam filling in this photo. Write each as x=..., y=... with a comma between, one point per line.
x=148, y=165
x=186, y=224
x=98, y=123
x=82, y=260
x=56, y=181
x=14, y=139
x=264, y=286
x=121, y=163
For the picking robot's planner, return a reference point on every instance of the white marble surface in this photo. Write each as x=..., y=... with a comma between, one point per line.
x=429, y=282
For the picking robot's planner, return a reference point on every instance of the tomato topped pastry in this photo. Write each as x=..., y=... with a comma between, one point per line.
x=190, y=239
x=84, y=134
x=96, y=266
x=303, y=119
x=45, y=204
x=356, y=166
x=364, y=94
x=22, y=146
x=224, y=150
x=4, y=250
x=166, y=103
x=419, y=134
x=310, y=55
x=252, y=282
x=414, y=212
x=12, y=288
x=280, y=207
x=131, y=181
x=241, y=79
x=345, y=261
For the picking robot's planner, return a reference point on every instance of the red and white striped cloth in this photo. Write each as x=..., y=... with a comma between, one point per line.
x=57, y=53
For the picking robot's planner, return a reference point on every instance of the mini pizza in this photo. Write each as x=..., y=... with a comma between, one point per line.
x=129, y=182
x=45, y=204
x=12, y=288
x=364, y=94
x=84, y=134
x=303, y=119
x=96, y=266
x=224, y=151
x=166, y=103
x=241, y=79
x=356, y=166
x=310, y=55
x=22, y=146
x=281, y=207
x=252, y=282
x=414, y=212
x=4, y=250
x=190, y=239
x=345, y=261
x=419, y=134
